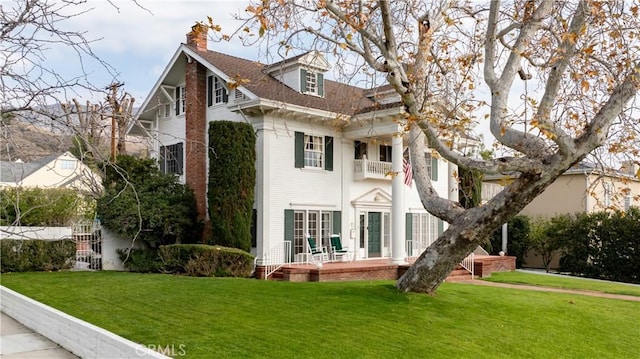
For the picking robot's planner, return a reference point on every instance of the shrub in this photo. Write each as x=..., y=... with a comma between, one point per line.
x=141, y=260
x=36, y=255
x=205, y=261
x=547, y=237
x=232, y=179
x=141, y=201
x=604, y=245
x=43, y=206
x=517, y=239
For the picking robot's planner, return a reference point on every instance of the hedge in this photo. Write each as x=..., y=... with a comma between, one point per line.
x=36, y=255
x=198, y=260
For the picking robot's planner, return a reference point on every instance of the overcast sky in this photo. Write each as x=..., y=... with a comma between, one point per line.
x=138, y=41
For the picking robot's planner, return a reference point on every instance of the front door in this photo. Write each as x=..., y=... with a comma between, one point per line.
x=374, y=248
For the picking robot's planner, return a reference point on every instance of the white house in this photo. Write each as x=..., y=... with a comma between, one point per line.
x=56, y=171
x=326, y=150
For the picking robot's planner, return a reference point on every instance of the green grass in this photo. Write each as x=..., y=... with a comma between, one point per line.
x=564, y=282
x=240, y=318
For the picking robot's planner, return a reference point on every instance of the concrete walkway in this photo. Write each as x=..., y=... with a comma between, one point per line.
x=20, y=342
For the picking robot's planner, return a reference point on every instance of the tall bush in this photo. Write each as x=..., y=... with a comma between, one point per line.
x=141, y=201
x=232, y=179
x=604, y=245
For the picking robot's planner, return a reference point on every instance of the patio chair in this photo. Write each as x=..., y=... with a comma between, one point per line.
x=337, y=250
x=317, y=254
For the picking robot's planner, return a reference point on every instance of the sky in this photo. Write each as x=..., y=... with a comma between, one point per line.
x=138, y=40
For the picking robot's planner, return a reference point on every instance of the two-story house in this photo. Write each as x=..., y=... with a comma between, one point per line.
x=329, y=155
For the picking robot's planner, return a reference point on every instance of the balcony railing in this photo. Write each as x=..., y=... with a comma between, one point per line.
x=364, y=169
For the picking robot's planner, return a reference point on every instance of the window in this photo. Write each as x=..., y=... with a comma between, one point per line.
x=360, y=150
x=425, y=229
x=216, y=92
x=607, y=194
x=432, y=166
x=167, y=110
x=171, y=160
x=627, y=202
x=180, y=103
x=318, y=224
x=313, y=151
x=385, y=153
x=67, y=164
x=311, y=82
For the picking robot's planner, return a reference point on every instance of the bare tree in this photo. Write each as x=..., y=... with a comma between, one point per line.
x=562, y=79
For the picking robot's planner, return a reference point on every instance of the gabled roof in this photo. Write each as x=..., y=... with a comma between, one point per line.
x=17, y=171
x=339, y=97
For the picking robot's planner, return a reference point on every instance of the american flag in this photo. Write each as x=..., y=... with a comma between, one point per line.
x=408, y=172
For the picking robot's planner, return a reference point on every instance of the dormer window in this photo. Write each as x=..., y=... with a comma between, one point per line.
x=216, y=92
x=311, y=82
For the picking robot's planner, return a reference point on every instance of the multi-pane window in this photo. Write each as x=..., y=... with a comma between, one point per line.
x=216, y=91
x=429, y=161
x=360, y=150
x=317, y=224
x=313, y=151
x=166, y=112
x=180, y=100
x=171, y=159
x=424, y=230
x=312, y=82
x=627, y=202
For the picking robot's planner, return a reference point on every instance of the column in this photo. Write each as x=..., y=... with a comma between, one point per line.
x=397, y=205
x=453, y=181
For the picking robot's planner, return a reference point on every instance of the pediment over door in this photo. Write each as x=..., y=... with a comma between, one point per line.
x=376, y=197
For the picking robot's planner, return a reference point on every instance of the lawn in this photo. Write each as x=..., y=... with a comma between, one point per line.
x=565, y=282
x=240, y=318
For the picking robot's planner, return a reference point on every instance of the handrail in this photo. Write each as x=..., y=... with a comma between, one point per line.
x=277, y=256
x=414, y=250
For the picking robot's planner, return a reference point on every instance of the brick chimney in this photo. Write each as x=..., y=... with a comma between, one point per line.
x=198, y=37
x=196, y=127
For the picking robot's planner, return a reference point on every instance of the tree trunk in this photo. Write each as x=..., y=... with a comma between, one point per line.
x=470, y=230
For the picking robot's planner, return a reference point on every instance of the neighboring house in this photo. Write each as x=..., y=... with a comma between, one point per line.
x=56, y=171
x=585, y=188
x=325, y=150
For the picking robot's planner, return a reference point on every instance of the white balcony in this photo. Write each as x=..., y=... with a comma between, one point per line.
x=367, y=169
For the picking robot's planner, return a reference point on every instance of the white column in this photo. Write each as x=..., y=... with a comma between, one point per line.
x=397, y=205
x=263, y=225
x=453, y=181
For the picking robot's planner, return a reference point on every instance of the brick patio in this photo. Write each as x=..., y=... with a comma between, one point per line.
x=374, y=269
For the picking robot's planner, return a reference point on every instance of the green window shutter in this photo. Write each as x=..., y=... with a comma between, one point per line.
x=209, y=90
x=408, y=225
x=299, y=150
x=337, y=222
x=440, y=227
x=434, y=169
x=161, y=158
x=288, y=225
x=328, y=153
x=177, y=100
x=180, y=157
x=303, y=80
x=320, y=79
x=254, y=228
